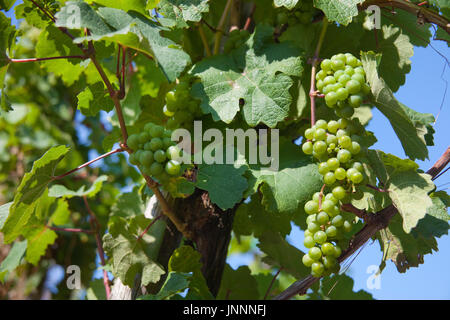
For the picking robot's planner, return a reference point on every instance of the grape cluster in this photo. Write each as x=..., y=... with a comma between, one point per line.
x=235, y=39
x=154, y=152
x=180, y=107
x=342, y=80
x=303, y=13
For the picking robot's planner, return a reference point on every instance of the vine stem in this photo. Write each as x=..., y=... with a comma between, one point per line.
x=88, y=163
x=219, y=31
x=314, y=63
x=250, y=17
x=148, y=227
x=44, y=59
x=74, y=230
x=204, y=40
x=96, y=228
x=378, y=221
x=271, y=283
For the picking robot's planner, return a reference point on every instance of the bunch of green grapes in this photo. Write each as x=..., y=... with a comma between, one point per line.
x=303, y=13
x=154, y=152
x=343, y=82
x=180, y=107
x=235, y=39
x=333, y=144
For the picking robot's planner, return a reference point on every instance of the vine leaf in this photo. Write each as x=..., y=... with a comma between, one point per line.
x=341, y=11
x=176, y=13
x=128, y=205
x=31, y=188
x=257, y=74
x=238, y=284
x=340, y=287
x=217, y=179
x=132, y=256
x=13, y=259
x=125, y=5
x=60, y=190
x=176, y=282
x=38, y=241
x=4, y=212
x=408, y=126
x=7, y=36
x=289, y=4
x=93, y=99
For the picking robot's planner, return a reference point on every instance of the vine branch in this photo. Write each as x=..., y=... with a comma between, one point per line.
x=219, y=31
x=44, y=59
x=378, y=221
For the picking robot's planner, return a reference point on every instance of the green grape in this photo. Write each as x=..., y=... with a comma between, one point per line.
x=347, y=226
x=337, y=64
x=349, y=71
x=337, y=251
x=341, y=132
x=321, y=75
x=320, y=134
x=329, y=261
x=320, y=237
x=133, y=159
x=323, y=168
x=344, y=155
x=334, y=211
x=345, y=142
x=333, y=164
x=343, y=79
x=338, y=73
x=332, y=126
x=311, y=207
x=316, y=196
x=327, y=249
x=360, y=70
x=332, y=146
x=327, y=206
x=330, y=197
x=326, y=65
x=156, y=131
x=353, y=86
x=160, y=156
x=146, y=158
x=346, y=112
x=309, y=133
x=340, y=173
x=308, y=242
x=355, y=100
x=365, y=88
x=359, y=77
x=167, y=112
x=355, y=148
x=358, y=166
x=311, y=218
x=308, y=233
x=315, y=253
x=146, y=171
x=331, y=139
x=352, y=61
x=320, y=85
x=307, y=261
x=173, y=153
x=356, y=177
x=313, y=227
x=156, y=144
x=167, y=143
x=342, y=94
x=327, y=89
x=144, y=137
x=329, y=178
x=337, y=221
x=350, y=171
x=133, y=141
x=331, y=98
x=343, y=123
x=321, y=124
x=331, y=231
x=320, y=147
x=339, y=192
x=322, y=218
x=156, y=169
x=317, y=269
x=173, y=168
x=137, y=155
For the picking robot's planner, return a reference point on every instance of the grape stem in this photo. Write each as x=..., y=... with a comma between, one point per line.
x=271, y=283
x=315, y=62
x=204, y=39
x=219, y=32
x=75, y=230
x=250, y=17
x=376, y=188
x=148, y=227
x=321, y=196
x=44, y=59
x=378, y=221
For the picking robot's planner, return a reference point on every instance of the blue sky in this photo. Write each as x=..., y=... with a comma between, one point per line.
x=423, y=91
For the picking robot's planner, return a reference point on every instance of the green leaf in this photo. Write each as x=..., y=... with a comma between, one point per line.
x=409, y=193
x=436, y=221
x=178, y=12
x=6, y=4
x=289, y=4
x=128, y=205
x=341, y=11
x=403, y=249
x=12, y=260
x=52, y=43
x=132, y=256
x=175, y=283
x=411, y=137
x=256, y=75
x=185, y=260
x=93, y=99
x=4, y=212
x=238, y=284
x=27, y=11
x=38, y=241
x=281, y=254
x=125, y=5
x=32, y=186
x=61, y=212
x=217, y=179
x=296, y=180
x=340, y=287
x=96, y=290
x=7, y=39
x=60, y=190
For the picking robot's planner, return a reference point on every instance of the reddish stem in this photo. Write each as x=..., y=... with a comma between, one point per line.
x=71, y=230
x=148, y=227
x=250, y=17
x=271, y=283
x=88, y=163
